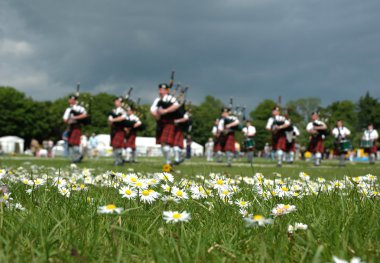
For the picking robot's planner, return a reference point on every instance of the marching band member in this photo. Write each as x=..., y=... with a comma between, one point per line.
x=116, y=120
x=73, y=116
x=341, y=144
x=291, y=136
x=226, y=127
x=217, y=147
x=370, y=137
x=277, y=124
x=131, y=134
x=317, y=130
x=180, y=127
x=249, y=131
x=161, y=110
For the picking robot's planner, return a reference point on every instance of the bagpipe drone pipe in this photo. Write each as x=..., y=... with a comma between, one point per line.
x=85, y=101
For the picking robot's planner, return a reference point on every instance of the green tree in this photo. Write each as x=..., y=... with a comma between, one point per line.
x=203, y=117
x=368, y=111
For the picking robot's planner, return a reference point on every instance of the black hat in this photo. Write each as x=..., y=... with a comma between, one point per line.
x=163, y=86
x=73, y=97
x=277, y=108
x=225, y=109
x=119, y=98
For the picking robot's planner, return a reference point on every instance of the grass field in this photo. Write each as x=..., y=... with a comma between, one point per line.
x=52, y=212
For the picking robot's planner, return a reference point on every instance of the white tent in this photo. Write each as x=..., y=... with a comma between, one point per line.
x=12, y=144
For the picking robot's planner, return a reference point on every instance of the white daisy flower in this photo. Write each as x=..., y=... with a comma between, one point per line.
x=175, y=216
x=127, y=192
x=282, y=209
x=109, y=209
x=257, y=220
x=148, y=196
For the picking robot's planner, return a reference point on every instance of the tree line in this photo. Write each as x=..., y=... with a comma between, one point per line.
x=24, y=117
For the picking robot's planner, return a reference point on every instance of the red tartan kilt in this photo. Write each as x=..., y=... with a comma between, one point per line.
x=131, y=140
x=371, y=150
x=178, y=137
x=316, y=145
x=118, y=139
x=166, y=135
x=75, y=134
x=279, y=143
x=228, y=142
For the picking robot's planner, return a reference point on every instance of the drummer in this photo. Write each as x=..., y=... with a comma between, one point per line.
x=369, y=138
x=341, y=143
x=249, y=131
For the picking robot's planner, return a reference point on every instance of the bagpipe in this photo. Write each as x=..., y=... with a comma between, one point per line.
x=128, y=102
x=180, y=94
x=323, y=132
x=237, y=111
x=86, y=102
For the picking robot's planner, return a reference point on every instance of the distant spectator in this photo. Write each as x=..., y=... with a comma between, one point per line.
x=209, y=149
x=92, y=145
x=65, y=138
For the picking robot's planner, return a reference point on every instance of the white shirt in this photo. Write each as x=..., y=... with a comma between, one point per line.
x=221, y=122
x=134, y=118
x=342, y=131
x=118, y=111
x=214, y=130
x=68, y=114
x=249, y=131
x=272, y=120
x=310, y=126
x=370, y=135
x=166, y=98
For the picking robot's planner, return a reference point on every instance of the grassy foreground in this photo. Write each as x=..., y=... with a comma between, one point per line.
x=50, y=212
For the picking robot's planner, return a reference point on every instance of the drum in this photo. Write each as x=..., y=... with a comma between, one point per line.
x=366, y=144
x=344, y=146
x=249, y=144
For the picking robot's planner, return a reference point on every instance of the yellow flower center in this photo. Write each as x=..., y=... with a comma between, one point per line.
x=111, y=207
x=219, y=182
x=145, y=192
x=139, y=184
x=128, y=192
x=179, y=193
x=225, y=192
x=286, y=206
x=257, y=217
x=177, y=215
x=134, y=179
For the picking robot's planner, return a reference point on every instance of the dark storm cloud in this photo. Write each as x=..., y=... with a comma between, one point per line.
x=249, y=50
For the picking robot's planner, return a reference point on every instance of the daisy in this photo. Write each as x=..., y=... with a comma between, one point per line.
x=282, y=209
x=109, y=209
x=242, y=204
x=353, y=260
x=64, y=191
x=257, y=220
x=304, y=176
x=179, y=193
x=175, y=217
x=127, y=192
x=148, y=196
x=166, y=177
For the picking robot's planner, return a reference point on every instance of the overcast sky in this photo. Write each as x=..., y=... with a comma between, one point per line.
x=246, y=49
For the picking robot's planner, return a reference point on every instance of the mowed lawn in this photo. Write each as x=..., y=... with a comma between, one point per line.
x=52, y=212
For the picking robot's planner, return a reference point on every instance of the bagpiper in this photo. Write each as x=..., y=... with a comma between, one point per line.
x=318, y=132
x=369, y=142
x=290, y=149
x=277, y=125
x=162, y=108
x=341, y=143
x=73, y=116
x=227, y=126
x=131, y=134
x=249, y=132
x=117, y=121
